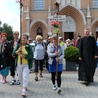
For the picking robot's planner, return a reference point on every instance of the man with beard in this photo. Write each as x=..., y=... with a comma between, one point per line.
x=87, y=56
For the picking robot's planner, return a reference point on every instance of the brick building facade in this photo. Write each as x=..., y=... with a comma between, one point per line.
x=79, y=14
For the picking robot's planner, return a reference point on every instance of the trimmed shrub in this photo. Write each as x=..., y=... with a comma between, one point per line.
x=71, y=53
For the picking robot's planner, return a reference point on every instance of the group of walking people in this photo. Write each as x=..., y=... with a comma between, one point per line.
x=15, y=53
x=18, y=55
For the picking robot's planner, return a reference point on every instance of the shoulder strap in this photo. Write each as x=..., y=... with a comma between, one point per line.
x=34, y=46
x=43, y=45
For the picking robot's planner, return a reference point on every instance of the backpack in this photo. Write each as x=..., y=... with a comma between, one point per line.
x=46, y=54
x=36, y=45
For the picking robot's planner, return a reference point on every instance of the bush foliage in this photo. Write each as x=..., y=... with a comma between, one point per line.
x=71, y=53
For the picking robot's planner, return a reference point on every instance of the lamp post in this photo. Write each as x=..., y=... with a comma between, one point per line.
x=21, y=5
x=20, y=2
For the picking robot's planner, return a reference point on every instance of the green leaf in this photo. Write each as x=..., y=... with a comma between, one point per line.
x=71, y=53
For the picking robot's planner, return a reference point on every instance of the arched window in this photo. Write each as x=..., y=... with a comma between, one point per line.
x=39, y=31
x=39, y=5
x=95, y=3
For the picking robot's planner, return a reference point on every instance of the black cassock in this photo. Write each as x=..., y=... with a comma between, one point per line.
x=87, y=51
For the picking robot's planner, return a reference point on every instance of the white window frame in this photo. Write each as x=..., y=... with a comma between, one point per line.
x=95, y=3
x=39, y=5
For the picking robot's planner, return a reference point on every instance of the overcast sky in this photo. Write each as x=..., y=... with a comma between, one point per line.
x=10, y=13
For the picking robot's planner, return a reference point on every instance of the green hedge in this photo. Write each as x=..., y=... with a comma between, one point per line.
x=71, y=53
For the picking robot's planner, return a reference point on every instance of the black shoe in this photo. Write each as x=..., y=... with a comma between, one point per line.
x=36, y=78
x=86, y=83
x=59, y=91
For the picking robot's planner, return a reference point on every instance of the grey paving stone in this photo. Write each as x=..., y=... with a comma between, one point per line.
x=71, y=87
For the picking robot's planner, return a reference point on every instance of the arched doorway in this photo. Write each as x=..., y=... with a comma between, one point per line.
x=39, y=31
x=79, y=21
x=69, y=27
x=68, y=35
x=38, y=27
x=94, y=27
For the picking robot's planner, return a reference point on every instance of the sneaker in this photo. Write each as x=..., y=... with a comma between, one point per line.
x=23, y=93
x=4, y=81
x=12, y=82
x=59, y=91
x=1, y=81
x=54, y=87
x=18, y=82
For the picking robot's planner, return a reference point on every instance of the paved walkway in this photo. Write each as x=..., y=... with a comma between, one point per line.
x=71, y=88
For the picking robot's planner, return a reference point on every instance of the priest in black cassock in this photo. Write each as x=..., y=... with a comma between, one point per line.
x=87, y=56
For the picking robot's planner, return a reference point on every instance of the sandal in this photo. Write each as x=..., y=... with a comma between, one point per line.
x=41, y=75
x=36, y=78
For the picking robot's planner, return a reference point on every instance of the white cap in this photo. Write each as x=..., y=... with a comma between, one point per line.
x=60, y=37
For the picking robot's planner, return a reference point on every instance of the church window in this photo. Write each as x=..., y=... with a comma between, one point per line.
x=39, y=5
x=95, y=3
